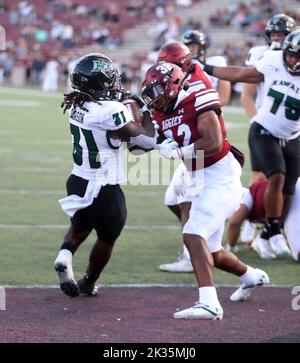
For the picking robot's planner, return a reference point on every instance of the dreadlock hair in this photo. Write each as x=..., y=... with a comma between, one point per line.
x=75, y=99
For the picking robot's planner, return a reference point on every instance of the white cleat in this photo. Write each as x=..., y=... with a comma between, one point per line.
x=279, y=246
x=263, y=248
x=245, y=290
x=233, y=249
x=200, y=311
x=63, y=268
x=182, y=264
x=248, y=232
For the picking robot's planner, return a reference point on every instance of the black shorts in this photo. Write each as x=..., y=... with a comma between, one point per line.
x=107, y=215
x=272, y=155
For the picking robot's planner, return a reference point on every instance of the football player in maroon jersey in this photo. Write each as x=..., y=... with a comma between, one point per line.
x=193, y=128
x=180, y=54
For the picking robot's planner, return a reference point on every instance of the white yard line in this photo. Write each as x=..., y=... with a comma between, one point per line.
x=64, y=226
x=236, y=125
x=234, y=109
x=63, y=192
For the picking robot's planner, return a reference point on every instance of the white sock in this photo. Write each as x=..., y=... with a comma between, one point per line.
x=208, y=295
x=249, y=275
x=186, y=252
x=64, y=256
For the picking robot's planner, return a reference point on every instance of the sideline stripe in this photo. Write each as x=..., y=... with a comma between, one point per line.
x=289, y=286
x=59, y=192
x=30, y=92
x=20, y=103
x=63, y=226
x=234, y=109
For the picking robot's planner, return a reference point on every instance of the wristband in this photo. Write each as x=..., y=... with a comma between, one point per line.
x=209, y=69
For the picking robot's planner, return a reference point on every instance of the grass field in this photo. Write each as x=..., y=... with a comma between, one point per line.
x=35, y=148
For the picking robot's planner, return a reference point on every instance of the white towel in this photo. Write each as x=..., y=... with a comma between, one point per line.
x=73, y=203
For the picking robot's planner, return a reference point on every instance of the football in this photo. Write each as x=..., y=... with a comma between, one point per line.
x=134, y=109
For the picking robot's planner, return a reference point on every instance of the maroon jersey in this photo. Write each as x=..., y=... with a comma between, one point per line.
x=181, y=124
x=257, y=191
x=198, y=79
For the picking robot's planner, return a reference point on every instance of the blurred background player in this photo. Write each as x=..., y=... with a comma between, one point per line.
x=95, y=199
x=277, y=28
x=274, y=137
x=206, y=151
x=252, y=208
x=197, y=43
x=51, y=74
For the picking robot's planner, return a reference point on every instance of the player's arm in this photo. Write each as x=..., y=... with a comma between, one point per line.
x=235, y=73
x=142, y=135
x=235, y=223
x=224, y=89
x=209, y=129
x=247, y=99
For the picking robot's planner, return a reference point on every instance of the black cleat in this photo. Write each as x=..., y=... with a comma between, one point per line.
x=68, y=285
x=70, y=288
x=86, y=287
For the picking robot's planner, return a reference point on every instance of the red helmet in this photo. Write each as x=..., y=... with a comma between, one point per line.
x=177, y=53
x=162, y=85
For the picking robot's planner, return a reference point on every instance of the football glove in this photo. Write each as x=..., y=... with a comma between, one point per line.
x=169, y=149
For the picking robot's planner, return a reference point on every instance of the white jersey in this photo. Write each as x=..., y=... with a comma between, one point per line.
x=217, y=61
x=96, y=156
x=254, y=55
x=280, y=111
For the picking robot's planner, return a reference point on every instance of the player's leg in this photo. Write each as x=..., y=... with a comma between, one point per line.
x=107, y=215
x=227, y=261
x=292, y=189
x=199, y=227
x=174, y=189
x=250, y=277
x=234, y=226
x=267, y=150
x=78, y=231
x=98, y=259
x=63, y=262
x=175, y=209
x=194, y=236
x=179, y=205
x=183, y=262
x=291, y=152
x=292, y=226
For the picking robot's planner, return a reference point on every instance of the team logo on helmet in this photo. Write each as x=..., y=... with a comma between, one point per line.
x=100, y=66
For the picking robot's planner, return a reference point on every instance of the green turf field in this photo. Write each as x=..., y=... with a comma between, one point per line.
x=35, y=148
